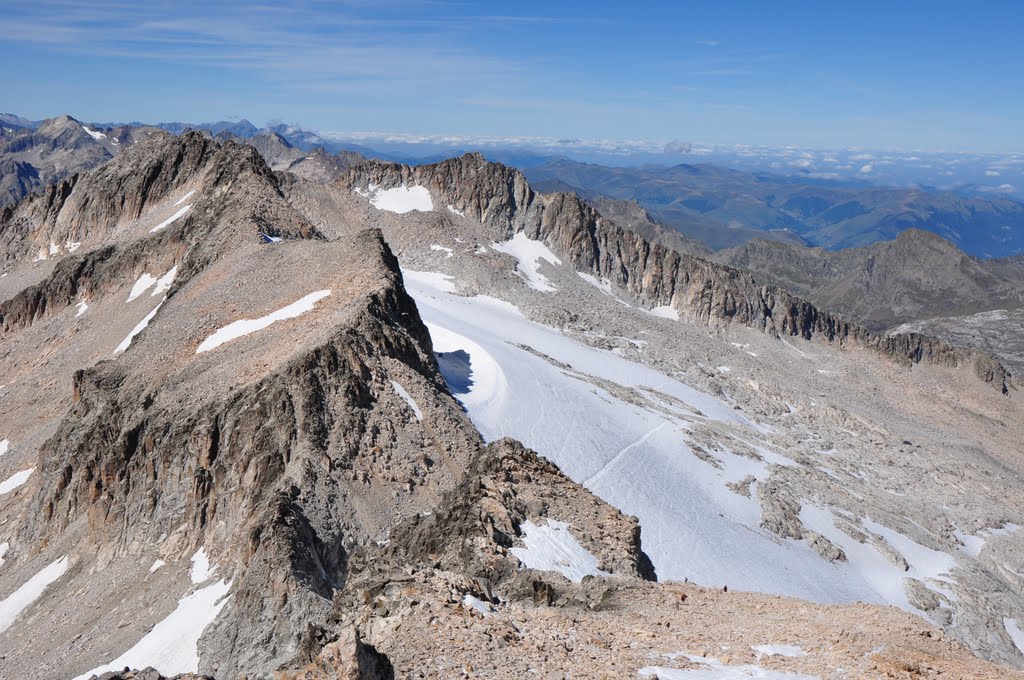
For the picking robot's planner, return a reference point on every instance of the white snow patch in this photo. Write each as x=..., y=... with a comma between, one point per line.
x=81, y=308
x=400, y=199
x=183, y=198
x=5, y=444
x=974, y=544
x=791, y=651
x=95, y=134
x=29, y=592
x=435, y=280
x=138, y=329
x=434, y=246
x=163, y=284
x=201, y=569
x=156, y=565
x=54, y=248
x=15, y=480
x=1015, y=633
x=181, y=212
x=470, y=602
x=455, y=211
x=244, y=327
x=72, y=246
x=400, y=391
x=4, y=547
x=873, y=567
x=665, y=312
x=480, y=250
x=171, y=646
x=603, y=285
x=528, y=253
x=716, y=670
x=553, y=548
x=142, y=284
x=724, y=369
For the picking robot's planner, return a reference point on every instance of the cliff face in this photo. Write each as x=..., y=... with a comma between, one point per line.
x=702, y=290
x=279, y=453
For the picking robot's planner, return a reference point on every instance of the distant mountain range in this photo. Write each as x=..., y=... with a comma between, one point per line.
x=724, y=208
x=716, y=206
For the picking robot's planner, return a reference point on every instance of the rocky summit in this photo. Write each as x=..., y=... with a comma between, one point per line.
x=270, y=414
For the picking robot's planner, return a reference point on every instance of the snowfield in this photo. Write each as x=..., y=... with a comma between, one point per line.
x=15, y=480
x=139, y=328
x=521, y=379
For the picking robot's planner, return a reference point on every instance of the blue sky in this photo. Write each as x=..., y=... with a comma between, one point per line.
x=912, y=75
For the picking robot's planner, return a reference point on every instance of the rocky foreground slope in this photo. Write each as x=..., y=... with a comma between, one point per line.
x=229, y=446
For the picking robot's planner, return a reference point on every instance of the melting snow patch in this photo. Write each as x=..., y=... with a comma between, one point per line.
x=54, y=248
x=604, y=285
x=399, y=200
x=1015, y=633
x=181, y=212
x=455, y=211
x=95, y=134
x=183, y=198
x=72, y=246
x=4, y=547
x=791, y=651
x=172, y=646
x=408, y=400
x=434, y=246
x=138, y=329
x=553, y=548
x=529, y=253
x=29, y=592
x=724, y=369
x=974, y=544
x=267, y=238
x=142, y=284
x=244, y=327
x=201, y=570
x=716, y=670
x=156, y=565
x=442, y=282
x=15, y=480
x=4, y=446
x=163, y=284
x=82, y=308
x=665, y=312
x=470, y=602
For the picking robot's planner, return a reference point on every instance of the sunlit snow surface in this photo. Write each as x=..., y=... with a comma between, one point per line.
x=15, y=480
x=181, y=213
x=713, y=669
x=399, y=200
x=529, y=253
x=635, y=456
x=172, y=645
x=400, y=391
x=29, y=592
x=1015, y=633
x=552, y=547
x=244, y=327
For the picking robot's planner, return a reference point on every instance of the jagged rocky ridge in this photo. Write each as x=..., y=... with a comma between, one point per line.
x=704, y=291
x=286, y=458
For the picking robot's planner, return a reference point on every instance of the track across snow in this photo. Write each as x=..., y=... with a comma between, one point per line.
x=531, y=382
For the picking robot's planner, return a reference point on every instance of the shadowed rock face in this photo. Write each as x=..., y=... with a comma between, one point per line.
x=702, y=290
